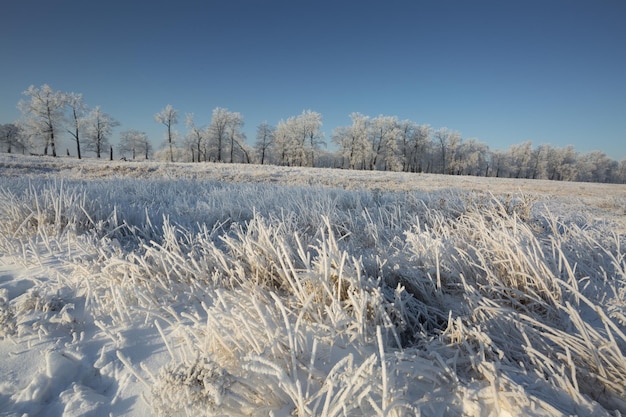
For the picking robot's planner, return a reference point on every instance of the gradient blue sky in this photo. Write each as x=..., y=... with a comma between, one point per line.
x=504, y=72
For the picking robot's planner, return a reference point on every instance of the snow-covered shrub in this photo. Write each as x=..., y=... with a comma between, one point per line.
x=198, y=389
x=43, y=309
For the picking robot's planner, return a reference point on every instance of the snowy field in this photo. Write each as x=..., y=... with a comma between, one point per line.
x=138, y=288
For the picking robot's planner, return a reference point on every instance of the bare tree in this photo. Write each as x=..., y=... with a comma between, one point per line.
x=236, y=136
x=11, y=135
x=134, y=142
x=77, y=117
x=224, y=134
x=98, y=129
x=265, y=135
x=43, y=115
x=195, y=138
x=168, y=117
x=217, y=130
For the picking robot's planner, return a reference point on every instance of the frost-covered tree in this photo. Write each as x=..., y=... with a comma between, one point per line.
x=168, y=117
x=407, y=130
x=498, y=162
x=43, y=115
x=536, y=165
x=420, y=142
x=77, y=110
x=441, y=137
x=561, y=163
x=328, y=159
x=353, y=142
x=224, y=131
x=135, y=143
x=520, y=156
x=447, y=140
x=236, y=138
x=342, y=137
x=310, y=125
x=471, y=157
x=299, y=138
x=265, y=135
x=413, y=142
x=595, y=166
x=283, y=143
x=383, y=136
x=621, y=172
x=98, y=128
x=12, y=137
x=382, y=143
x=196, y=139
x=454, y=158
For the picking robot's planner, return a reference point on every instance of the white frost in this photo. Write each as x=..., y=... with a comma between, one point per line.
x=203, y=289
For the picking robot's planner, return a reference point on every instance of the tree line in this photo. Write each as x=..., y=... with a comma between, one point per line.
x=368, y=143
x=48, y=114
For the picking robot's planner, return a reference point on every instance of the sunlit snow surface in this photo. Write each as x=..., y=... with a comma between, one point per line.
x=140, y=288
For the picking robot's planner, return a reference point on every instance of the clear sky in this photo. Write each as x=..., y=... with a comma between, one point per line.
x=504, y=72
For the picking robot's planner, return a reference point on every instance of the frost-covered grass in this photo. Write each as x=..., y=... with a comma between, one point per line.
x=288, y=297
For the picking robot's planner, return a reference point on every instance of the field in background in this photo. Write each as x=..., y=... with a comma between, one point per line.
x=203, y=289
x=18, y=165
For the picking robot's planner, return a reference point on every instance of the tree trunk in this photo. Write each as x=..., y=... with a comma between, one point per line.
x=219, y=149
x=54, y=149
x=232, y=148
x=76, y=134
x=169, y=138
x=77, y=145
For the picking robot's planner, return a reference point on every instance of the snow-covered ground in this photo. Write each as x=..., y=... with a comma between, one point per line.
x=141, y=288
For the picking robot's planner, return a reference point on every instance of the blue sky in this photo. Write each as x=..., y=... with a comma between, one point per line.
x=504, y=72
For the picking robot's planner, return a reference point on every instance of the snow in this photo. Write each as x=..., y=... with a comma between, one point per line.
x=141, y=288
